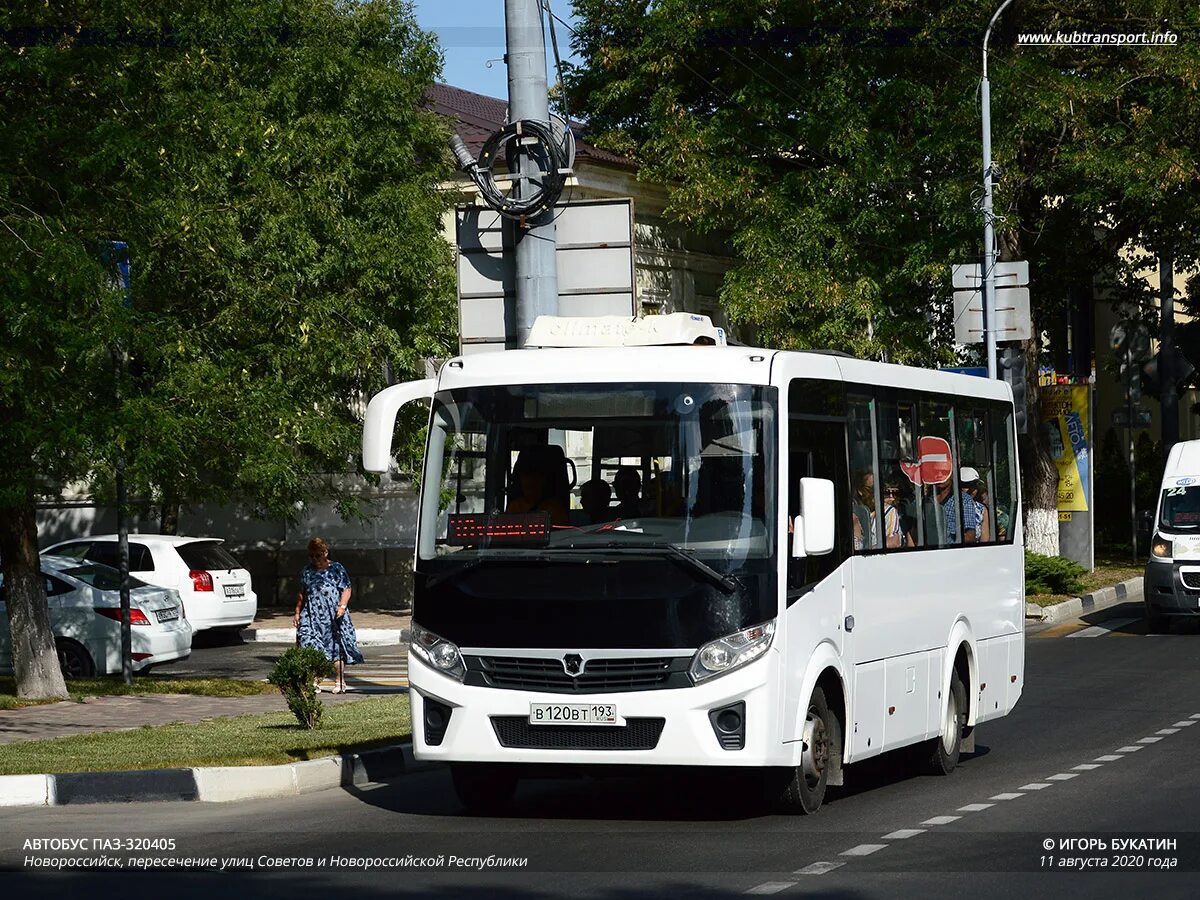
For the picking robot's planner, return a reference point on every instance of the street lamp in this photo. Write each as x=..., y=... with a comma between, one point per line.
x=989, y=237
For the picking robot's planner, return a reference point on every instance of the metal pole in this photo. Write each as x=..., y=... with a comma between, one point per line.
x=123, y=551
x=1168, y=389
x=1132, y=462
x=536, y=273
x=989, y=237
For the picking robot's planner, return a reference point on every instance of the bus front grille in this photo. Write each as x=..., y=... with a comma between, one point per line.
x=636, y=734
x=520, y=673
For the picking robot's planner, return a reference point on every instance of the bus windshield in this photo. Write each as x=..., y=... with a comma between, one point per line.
x=1180, y=509
x=618, y=467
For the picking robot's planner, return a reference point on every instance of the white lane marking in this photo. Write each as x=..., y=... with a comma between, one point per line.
x=1062, y=776
x=1035, y=786
x=1010, y=795
x=819, y=868
x=1102, y=629
x=1129, y=749
x=1150, y=740
x=1167, y=731
x=1184, y=723
x=771, y=887
x=1109, y=757
x=863, y=850
x=1087, y=767
x=903, y=834
x=1194, y=716
x=941, y=820
x=976, y=807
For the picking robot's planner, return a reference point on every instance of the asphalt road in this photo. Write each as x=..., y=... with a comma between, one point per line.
x=1058, y=768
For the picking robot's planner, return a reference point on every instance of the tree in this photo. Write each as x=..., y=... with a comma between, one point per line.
x=274, y=172
x=838, y=146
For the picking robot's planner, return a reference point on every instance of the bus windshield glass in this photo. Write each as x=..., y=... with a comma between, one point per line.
x=1180, y=508
x=623, y=469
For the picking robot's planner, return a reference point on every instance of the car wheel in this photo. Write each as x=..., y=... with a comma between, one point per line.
x=805, y=790
x=483, y=788
x=74, y=660
x=940, y=755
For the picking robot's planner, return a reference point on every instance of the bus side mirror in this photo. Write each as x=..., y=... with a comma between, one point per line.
x=380, y=421
x=814, y=527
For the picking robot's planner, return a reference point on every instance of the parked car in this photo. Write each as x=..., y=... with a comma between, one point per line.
x=85, y=616
x=215, y=588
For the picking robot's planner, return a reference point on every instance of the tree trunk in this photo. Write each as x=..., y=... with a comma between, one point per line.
x=1039, y=474
x=168, y=522
x=34, y=658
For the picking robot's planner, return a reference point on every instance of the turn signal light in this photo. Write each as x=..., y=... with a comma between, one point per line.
x=201, y=580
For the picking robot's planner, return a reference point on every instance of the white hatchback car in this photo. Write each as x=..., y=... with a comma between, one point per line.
x=215, y=588
x=85, y=616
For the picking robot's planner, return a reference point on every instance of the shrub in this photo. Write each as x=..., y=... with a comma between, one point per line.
x=295, y=674
x=1052, y=575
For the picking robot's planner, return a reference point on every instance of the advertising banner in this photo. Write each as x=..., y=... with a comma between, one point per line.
x=1066, y=422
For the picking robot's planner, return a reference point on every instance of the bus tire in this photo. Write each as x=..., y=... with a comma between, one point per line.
x=940, y=755
x=805, y=789
x=483, y=788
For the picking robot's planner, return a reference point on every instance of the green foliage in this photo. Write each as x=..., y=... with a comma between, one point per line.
x=275, y=174
x=1052, y=574
x=296, y=674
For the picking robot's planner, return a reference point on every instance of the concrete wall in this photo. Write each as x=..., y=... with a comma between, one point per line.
x=377, y=553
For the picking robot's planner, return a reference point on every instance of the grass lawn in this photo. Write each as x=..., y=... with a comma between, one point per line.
x=81, y=688
x=1111, y=568
x=237, y=741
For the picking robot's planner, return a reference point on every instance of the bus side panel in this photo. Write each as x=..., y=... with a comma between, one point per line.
x=906, y=689
x=866, y=705
x=1015, y=676
x=933, y=695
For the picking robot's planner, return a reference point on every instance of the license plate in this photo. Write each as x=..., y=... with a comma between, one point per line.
x=574, y=714
x=167, y=615
x=235, y=590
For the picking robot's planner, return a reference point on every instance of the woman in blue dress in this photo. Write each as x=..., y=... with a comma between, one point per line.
x=322, y=618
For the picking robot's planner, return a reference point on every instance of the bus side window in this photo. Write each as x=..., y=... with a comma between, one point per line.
x=1004, y=499
x=902, y=513
x=864, y=479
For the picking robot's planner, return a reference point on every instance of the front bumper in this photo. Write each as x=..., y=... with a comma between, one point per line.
x=687, y=737
x=1167, y=588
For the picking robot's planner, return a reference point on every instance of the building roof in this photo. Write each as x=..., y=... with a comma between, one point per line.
x=477, y=116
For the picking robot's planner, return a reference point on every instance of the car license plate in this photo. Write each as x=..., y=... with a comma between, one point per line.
x=574, y=714
x=167, y=615
x=235, y=590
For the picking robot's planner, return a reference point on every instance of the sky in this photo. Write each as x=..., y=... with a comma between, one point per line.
x=471, y=33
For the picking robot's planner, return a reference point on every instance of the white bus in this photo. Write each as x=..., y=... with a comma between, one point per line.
x=707, y=556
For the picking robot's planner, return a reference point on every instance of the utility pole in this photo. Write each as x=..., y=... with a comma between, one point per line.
x=1168, y=390
x=989, y=236
x=536, y=273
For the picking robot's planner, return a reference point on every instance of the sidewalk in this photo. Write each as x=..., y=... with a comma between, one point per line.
x=375, y=627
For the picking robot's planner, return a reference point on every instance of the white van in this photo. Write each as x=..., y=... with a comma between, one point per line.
x=1172, y=584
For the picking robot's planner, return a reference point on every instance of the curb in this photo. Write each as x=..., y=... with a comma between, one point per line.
x=367, y=637
x=1125, y=592
x=220, y=784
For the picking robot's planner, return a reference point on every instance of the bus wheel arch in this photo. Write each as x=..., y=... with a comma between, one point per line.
x=830, y=683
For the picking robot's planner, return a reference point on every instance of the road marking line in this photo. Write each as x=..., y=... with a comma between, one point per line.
x=941, y=820
x=1183, y=724
x=1109, y=757
x=771, y=887
x=1150, y=740
x=903, y=834
x=1010, y=795
x=819, y=868
x=863, y=850
x=1062, y=776
x=1086, y=767
x=1194, y=716
x=1128, y=749
x=1167, y=731
x=1036, y=786
x=1103, y=628
x=976, y=807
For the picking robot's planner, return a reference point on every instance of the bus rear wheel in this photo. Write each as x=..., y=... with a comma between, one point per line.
x=483, y=788
x=940, y=755
x=805, y=790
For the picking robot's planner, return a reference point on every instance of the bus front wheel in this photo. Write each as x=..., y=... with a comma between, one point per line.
x=941, y=753
x=805, y=790
x=483, y=788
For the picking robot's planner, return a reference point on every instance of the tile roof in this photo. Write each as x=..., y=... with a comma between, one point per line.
x=477, y=116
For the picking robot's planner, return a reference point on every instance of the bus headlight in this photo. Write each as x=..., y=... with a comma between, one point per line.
x=731, y=652
x=1161, y=548
x=437, y=652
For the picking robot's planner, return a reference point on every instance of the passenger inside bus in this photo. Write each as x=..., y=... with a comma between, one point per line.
x=594, y=497
x=897, y=527
x=862, y=507
x=628, y=486
x=540, y=483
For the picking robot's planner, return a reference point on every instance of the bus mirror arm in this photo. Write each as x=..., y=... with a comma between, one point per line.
x=814, y=527
x=380, y=421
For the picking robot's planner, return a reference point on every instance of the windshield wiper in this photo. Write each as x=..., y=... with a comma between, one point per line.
x=726, y=583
